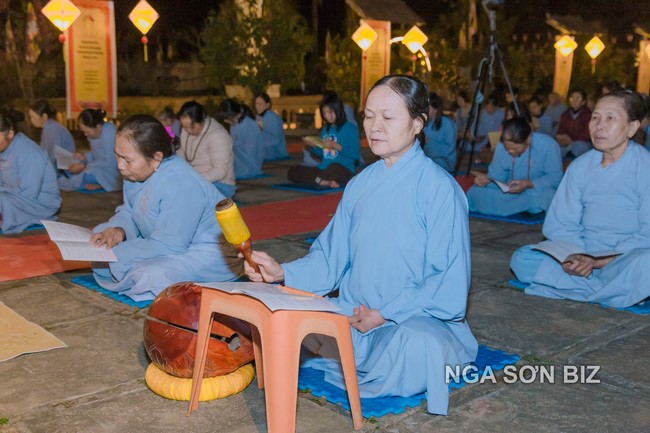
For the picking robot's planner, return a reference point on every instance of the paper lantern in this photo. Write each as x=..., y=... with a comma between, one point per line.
x=414, y=39
x=143, y=16
x=62, y=13
x=364, y=36
x=565, y=45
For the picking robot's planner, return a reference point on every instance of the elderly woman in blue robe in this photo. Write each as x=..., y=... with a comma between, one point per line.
x=397, y=249
x=28, y=190
x=165, y=231
x=43, y=115
x=602, y=204
x=275, y=143
x=529, y=163
x=247, y=145
x=98, y=168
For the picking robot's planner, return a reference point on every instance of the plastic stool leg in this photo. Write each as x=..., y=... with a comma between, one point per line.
x=203, y=335
x=344, y=341
x=259, y=359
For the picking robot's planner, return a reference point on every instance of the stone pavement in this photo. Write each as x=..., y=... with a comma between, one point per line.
x=97, y=385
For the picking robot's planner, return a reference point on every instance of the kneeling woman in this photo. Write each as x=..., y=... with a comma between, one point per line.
x=28, y=190
x=397, y=249
x=529, y=163
x=602, y=204
x=166, y=231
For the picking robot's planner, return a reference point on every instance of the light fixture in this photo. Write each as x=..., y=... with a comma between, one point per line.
x=143, y=16
x=594, y=47
x=565, y=45
x=62, y=13
x=414, y=39
x=364, y=36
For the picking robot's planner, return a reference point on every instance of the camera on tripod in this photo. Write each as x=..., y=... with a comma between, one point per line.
x=492, y=5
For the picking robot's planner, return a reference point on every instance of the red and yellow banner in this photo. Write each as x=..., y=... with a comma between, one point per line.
x=91, y=64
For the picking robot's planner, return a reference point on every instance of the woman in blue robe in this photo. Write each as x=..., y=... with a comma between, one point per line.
x=528, y=162
x=441, y=135
x=340, y=151
x=28, y=190
x=398, y=250
x=602, y=204
x=97, y=168
x=42, y=115
x=165, y=231
x=247, y=144
x=275, y=144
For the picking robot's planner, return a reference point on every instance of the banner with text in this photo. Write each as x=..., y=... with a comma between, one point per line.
x=376, y=59
x=91, y=65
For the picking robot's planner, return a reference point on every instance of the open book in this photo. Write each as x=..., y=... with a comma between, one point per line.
x=64, y=158
x=564, y=251
x=277, y=297
x=313, y=140
x=73, y=243
x=502, y=186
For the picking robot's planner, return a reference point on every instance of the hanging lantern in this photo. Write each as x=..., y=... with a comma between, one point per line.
x=565, y=45
x=414, y=39
x=594, y=47
x=364, y=36
x=143, y=16
x=62, y=13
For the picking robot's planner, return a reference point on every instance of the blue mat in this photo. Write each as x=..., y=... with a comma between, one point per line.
x=284, y=158
x=313, y=380
x=640, y=308
x=520, y=218
x=88, y=281
x=312, y=189
x=32, y=227
x=257, y=176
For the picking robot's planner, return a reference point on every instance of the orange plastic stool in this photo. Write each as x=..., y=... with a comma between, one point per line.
x=277, y=337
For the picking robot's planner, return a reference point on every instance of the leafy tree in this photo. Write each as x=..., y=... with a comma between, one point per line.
x=344, y=68
x=241, y=47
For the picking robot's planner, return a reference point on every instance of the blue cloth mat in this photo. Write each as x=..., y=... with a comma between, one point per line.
x=641, y=308
x=32, y=227
x=312, y=189
x=257, y=176
x=284, y=158
x=520, y=218
x=88, y=191
x=88, y=281
x=313, y=380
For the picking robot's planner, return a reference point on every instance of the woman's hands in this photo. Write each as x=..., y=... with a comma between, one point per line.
x=331, y=144
x=481, y=179
x=517, y=186
x=77, y=168
x=271, y=271
x=582, y=266
x=109, y=237
x=364, y=319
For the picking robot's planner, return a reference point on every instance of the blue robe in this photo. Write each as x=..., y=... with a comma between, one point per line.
x=399, y=243
x=247, y=147
x=171, y=234
x=555, y=112
x=275, y=144
x=101, y=163
x=54, y=134
x=441, y=143
x=598, y=209
x=348, y=137
x=545, y=173
x=28, y=190
x=488, y=122
x=544, y=125
x=647, y=137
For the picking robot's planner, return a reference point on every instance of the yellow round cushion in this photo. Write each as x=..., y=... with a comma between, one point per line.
x=212, y=388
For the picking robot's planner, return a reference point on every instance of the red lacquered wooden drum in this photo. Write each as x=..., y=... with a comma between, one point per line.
x=170, y=330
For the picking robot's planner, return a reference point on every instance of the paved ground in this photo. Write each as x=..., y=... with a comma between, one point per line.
x=97, y=383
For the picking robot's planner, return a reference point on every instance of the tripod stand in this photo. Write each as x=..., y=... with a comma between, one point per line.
x=485, y=70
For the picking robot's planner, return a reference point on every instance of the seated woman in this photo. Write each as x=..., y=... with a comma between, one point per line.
x=247, y=144
x=275, y=144
x=397, y=249
x=165, y=232
x=98, y=168
x=42, y=115
x=170, y=122
x=28, y=191
x=441, y=135
x=340, y=150
x=207, y=146
x=602, y=204
x=529, y=163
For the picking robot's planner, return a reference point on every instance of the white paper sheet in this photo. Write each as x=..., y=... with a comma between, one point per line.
x=64, y=159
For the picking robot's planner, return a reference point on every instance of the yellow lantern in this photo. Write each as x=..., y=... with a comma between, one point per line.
x=365, y=36
x=594, y=47
x=565, y=45
x=143, y=16
x=414, y=39
x=62, y=13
